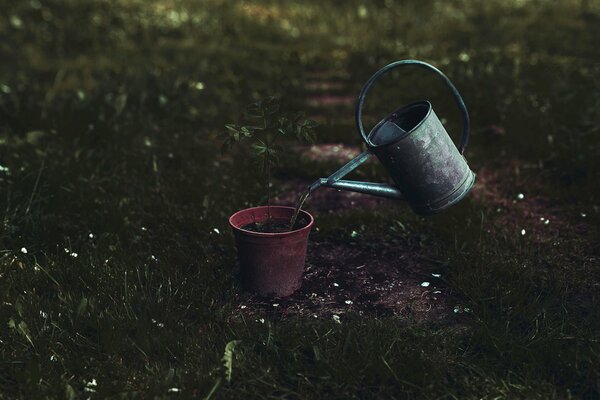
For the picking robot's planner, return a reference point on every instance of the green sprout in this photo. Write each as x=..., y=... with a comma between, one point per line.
x=265, y=125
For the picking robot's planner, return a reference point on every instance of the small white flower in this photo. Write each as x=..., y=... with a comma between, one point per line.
x=89, y=386
x=354, y=234
x=174, y=390
x=159, y=324
x=144, y=228
x=199, y=85
x=425, y=284
x=348, y=302
x=336, y=318
x=436, y=275
x=242, y=307
x=546, y=222
x=456, y=309
x=262, y=320
x=4, y=169
x=336, y=284
x=216, y=230
x=153, y=258
x=520, y=196
x=91, y=235
x=523, y=232
x=74, y=255
x=583, y=215
x=43, y=314
x=437, y=291
x=53, y=358
x=275, y=304
x=23, y=250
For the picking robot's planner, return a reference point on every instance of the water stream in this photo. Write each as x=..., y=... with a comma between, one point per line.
x=298, y=208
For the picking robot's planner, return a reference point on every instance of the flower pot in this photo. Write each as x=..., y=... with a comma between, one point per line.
x=271, y=263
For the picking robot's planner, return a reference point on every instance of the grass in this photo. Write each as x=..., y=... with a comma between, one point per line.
x=113, y=185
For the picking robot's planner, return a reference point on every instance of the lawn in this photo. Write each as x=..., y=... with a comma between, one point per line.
x=118, y=272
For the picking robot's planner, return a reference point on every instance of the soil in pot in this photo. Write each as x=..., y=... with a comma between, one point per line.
x=275, y=226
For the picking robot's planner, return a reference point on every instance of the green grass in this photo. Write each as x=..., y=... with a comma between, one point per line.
x=112, y=154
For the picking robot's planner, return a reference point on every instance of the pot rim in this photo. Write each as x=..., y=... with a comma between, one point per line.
x=271, y=234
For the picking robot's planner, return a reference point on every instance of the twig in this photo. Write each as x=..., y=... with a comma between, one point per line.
x=35, y=185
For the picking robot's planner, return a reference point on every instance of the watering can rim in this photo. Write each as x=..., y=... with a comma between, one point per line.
x=392, y=115
x=421, y=64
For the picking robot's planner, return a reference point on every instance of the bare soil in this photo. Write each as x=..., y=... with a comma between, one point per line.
x=342, y=279
x=530, y=213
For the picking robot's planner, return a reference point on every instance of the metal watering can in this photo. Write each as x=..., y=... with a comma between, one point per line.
x=428, y=170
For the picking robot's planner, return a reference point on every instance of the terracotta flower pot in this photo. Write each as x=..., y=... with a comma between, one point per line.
x=271, y=264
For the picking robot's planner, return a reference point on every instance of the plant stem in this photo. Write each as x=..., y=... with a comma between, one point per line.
x=268, y=167
x=269, y=191
x=268, y=184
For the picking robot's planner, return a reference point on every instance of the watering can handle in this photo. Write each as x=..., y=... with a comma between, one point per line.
x=461, y=104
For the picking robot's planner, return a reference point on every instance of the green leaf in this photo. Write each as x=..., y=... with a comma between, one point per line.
x=120, y=103
x=70, y=393
x=82, y=306
x=309, y=123
x=34, y=137
x=298, y=116
x=246, y=131
x=19, y=308
x=170, y=375
x=23, y=329
x=228, y=358
x=232, y=128
x=259, y=148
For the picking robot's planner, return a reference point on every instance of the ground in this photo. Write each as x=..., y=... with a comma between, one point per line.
x=118, y=272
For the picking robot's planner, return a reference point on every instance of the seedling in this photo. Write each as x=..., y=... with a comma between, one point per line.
x=263, y=128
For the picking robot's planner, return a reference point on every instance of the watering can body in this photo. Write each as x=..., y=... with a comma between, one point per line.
x=427, y=168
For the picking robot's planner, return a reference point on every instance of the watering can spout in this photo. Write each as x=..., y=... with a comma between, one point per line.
x=388, y=131
x=335, y=181
x=375, y=189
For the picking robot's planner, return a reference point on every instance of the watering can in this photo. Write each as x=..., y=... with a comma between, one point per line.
x=428, y=170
